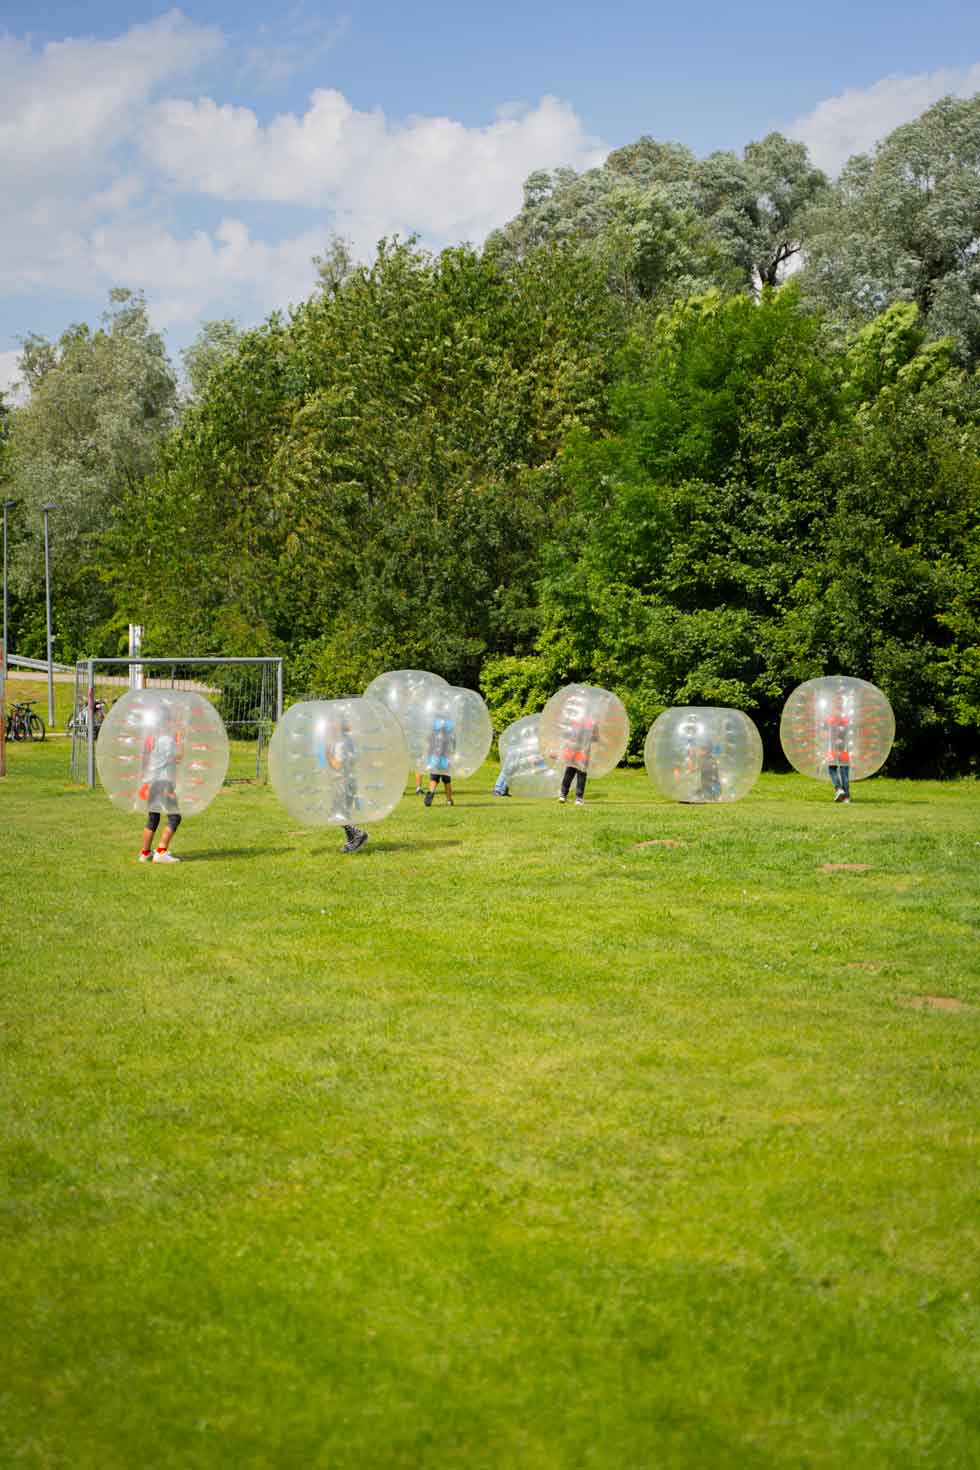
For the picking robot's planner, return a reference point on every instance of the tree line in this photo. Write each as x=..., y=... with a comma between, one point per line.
x=617, y=444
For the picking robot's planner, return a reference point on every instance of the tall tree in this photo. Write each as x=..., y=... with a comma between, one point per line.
x=757, y=204
x=99, y=405
x=214, y=341
x=371, y=481
x=903, y=224
x=673, y=225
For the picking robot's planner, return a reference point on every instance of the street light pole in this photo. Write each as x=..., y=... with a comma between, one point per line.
x=7, y=505
x=47, y=597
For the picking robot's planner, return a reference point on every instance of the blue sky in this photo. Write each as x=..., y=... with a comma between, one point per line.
x=205, y=154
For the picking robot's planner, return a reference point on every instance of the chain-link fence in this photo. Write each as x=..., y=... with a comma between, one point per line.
x=247, y=693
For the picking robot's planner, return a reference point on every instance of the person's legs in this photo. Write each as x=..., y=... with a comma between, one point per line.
x=834, y=772
x=152, y=822
x=449, y=790
x=845, y=781
x=579, y=787
x=433, y=788
x=566, y=782
x=163, y=853
x=418, y=783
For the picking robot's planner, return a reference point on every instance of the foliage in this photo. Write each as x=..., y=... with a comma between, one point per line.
x=765, y=510
x=370, y=482
x=670, y=226
x=903, y=224
x=100, y=404
x=215, y=340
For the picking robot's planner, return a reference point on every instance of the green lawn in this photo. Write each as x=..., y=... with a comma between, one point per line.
x=513, y=1140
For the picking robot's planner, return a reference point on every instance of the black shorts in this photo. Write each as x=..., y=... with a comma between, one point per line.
x=438, y=776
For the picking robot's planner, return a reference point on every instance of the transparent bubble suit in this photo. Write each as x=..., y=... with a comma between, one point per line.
x=162, y=750
x=334, y=762
x=521, y=759
x=458, y=732
x=703, y=753
x=584, y=727
x=837, y=721
x=404, y=691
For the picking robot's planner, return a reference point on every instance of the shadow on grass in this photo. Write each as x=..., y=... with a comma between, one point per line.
x=385, y=846
x=232, y=854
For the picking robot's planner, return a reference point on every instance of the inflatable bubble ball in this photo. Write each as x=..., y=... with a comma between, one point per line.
x=334, y=762
x=162, y=750
x=458, y=732
x=404, y=691
x=584, y=727
x=703, y=753
x=521, y=760
x=837, y=721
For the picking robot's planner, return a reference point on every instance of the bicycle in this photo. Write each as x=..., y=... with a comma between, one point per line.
x=23, y=723
x=79, y=720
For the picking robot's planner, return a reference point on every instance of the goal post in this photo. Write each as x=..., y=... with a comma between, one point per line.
x=247, y=693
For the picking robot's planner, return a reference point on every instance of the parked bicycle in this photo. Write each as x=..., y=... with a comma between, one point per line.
x=23, y=723
x=79, y=720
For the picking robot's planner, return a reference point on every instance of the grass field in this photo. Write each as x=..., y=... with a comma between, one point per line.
x=530, y=1136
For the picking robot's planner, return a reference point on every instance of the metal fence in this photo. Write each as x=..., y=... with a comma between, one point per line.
x=247, y=693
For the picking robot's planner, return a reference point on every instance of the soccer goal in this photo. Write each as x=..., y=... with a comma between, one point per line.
x=247, y=693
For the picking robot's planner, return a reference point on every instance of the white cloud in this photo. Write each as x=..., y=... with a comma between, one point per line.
x=855, y=120
x=105, y=186
x=429, y=174
x=65, y=107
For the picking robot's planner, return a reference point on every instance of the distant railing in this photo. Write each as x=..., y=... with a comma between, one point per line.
x=38, y=665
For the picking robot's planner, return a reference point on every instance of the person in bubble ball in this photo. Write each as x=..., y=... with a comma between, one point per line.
x=838, y=727
x=442, y=744
x=337, y=753
x=583, y=733
x=158, y=773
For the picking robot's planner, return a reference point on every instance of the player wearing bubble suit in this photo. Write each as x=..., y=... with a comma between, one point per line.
x=583, y=732
x=405, y=692
x=336, y=752
x=162, y=749
x=703, y=753
x=524, y=769
x=839, y=727
x=162, y=753
x=339, y=762
x=439, y=756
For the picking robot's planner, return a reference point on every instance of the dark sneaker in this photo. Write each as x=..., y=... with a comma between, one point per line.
x=428, y=798
x=839, y=796
x=357, y=842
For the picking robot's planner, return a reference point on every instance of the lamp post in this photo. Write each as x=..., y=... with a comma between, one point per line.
x=47, y=597
x=7, y=505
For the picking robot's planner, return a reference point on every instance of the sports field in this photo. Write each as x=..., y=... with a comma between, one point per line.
x=627, y=1136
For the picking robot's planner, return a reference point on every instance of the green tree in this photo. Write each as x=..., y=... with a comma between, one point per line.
x=669, y=225
x=370, y=482
x=903, y=224
x=214, y=341
x=757, y=204
x=768, y=507
x=99, y=405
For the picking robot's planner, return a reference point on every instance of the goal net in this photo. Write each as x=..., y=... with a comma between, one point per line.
x=247, y=693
